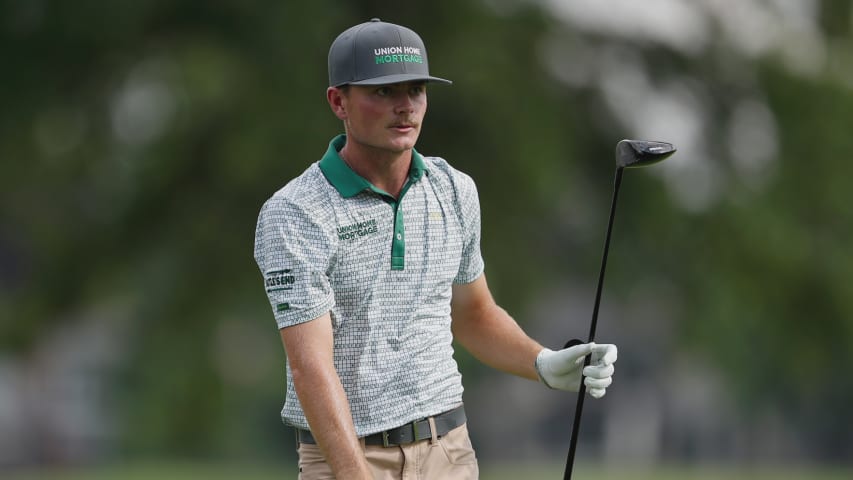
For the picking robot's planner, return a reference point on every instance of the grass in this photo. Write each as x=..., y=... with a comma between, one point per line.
x=189, y=471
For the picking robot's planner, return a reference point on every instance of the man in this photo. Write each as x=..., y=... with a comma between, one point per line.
x=372, y=266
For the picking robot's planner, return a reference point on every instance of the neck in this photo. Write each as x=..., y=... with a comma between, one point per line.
x=386, y=170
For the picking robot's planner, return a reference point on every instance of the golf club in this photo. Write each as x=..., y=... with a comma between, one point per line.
x=629, y=154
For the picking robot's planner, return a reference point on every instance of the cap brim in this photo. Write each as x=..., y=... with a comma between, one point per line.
x=403, y=77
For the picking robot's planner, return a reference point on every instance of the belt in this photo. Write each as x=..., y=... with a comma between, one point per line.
x=408, y=433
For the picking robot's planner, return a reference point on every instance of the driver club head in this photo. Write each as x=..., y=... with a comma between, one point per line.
x=640, y=153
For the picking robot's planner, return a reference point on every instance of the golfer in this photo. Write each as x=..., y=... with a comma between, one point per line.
x=371, y=262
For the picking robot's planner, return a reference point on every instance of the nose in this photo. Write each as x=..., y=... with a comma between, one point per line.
x=403, y=103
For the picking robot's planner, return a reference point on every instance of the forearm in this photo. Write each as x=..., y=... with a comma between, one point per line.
x=325, y=406
x=494, y=338
x=489, y=332
x=309, y=349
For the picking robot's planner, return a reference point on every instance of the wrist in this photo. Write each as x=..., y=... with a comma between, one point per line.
x=539, y=366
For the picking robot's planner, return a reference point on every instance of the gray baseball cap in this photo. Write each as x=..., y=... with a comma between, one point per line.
x=378, y=53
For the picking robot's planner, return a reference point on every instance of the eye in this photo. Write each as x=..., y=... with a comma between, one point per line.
x=417, y=89
x=383, y=91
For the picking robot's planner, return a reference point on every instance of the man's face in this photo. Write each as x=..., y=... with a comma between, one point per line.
x=385, y=117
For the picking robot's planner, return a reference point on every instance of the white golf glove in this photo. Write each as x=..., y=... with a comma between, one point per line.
x=561, y=370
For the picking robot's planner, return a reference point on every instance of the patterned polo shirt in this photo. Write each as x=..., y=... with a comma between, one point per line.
x=329, y=241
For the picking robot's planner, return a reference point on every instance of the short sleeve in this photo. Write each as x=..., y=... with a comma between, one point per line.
x=471, y=265
x=293, y=252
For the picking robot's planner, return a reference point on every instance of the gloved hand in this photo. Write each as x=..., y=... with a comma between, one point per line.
x=561, y=370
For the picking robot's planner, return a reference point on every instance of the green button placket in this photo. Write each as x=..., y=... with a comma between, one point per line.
x=398, y=241
x=398, y=235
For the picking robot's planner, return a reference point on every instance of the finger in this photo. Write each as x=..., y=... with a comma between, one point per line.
x=596, y=392
x=567, y=359
x=604, y=354
x=601, y=383
x=595, y=371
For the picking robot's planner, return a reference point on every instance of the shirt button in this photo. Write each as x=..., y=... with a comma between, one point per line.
x=399, y=236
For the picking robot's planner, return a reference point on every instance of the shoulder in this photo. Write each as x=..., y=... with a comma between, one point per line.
x=305, y=195
x=441, y=172
x=456, y=187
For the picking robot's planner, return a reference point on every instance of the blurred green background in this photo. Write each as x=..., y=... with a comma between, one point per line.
x=138, y=140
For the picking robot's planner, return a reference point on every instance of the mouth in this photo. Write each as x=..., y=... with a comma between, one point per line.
x=403, y=127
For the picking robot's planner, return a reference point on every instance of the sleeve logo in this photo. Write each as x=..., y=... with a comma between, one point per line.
x=278, y=280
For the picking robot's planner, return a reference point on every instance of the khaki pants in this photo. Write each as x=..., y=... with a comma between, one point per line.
x=450, y=457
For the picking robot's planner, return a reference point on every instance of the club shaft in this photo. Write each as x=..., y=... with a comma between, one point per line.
x=570, y=460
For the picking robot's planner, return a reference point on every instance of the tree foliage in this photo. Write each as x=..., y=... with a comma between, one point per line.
x=139, y=139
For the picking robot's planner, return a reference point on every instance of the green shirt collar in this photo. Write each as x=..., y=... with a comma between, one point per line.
x=347, y=182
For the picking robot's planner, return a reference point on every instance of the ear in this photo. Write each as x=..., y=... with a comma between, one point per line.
x=337, y=101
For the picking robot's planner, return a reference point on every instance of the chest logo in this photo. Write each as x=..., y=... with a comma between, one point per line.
x=357, y=230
